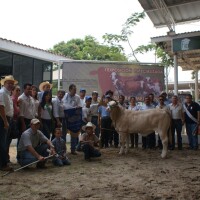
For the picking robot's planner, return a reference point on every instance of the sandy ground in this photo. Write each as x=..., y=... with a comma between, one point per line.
x=141, y=174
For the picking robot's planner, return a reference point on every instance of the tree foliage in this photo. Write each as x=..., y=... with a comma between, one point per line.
x=89, y=49
x=127, y=30
x=165, y=59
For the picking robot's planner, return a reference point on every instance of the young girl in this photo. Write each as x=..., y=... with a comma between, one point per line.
x=45, y=114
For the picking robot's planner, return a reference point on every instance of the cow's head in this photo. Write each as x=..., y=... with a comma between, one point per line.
x=112, y=104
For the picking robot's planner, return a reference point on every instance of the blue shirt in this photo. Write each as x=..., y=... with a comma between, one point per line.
x=103, y=111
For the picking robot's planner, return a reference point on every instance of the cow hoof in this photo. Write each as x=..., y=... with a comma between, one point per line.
x=121, y=153
x=163, y=155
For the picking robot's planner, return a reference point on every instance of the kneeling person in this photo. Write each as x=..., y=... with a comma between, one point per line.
x=33, y=146
x=60, y=148
x=88, y=141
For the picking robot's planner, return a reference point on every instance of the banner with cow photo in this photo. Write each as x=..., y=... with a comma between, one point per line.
x=126, y=78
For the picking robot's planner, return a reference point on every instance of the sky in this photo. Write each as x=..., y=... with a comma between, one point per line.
x=44, y=23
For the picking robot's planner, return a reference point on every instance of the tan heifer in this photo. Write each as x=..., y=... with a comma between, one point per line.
x=144, y=122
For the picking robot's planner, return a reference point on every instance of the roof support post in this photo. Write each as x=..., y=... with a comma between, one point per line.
x=196, y=86
x=175, y=75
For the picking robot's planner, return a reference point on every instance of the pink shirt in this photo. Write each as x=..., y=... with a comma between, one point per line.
x=16, y=107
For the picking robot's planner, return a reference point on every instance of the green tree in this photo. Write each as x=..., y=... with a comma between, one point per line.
x=117, y=40
x=89, y=49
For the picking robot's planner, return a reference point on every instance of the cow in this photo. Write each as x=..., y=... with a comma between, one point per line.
x=144, y=122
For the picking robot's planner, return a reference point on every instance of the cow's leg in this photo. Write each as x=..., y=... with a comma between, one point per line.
x=164, y=140
x=127, y=143
x=123, y=138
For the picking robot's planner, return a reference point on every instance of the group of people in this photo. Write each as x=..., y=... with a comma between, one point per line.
x=41, y=122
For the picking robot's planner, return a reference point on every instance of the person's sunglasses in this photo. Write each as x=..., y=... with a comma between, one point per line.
x=161, y=99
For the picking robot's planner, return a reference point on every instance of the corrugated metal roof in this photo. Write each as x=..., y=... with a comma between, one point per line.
x=31, y=47
x=180, y=10
x=188, y=60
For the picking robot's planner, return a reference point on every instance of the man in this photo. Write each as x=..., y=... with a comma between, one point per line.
x=178, y=119
x=166, y=100
x=58, y=113
x=152, y=101
x=44, y=86
x=27, y=107
x=82, y=96
x=94, y=111
x=6, y=114
x=33, y=146
x=150, y=140
x=192, y=120
x=88, y=142
x=70, y=101
x=86, y=112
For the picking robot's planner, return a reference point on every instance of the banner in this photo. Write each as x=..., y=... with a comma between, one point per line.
x=73, y=118
x=128, y=79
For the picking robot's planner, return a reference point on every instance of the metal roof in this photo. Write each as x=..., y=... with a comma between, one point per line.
x=188, y=60
x=167, y=12
x=26, y=50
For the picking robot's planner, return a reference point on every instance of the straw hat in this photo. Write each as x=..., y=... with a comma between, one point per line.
x=41, y=86
x=8, y=78
x=89, y=124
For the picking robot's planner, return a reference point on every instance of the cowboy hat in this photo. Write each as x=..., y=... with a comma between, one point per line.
x=8, y=78
x=41, y=86
x=89, y=124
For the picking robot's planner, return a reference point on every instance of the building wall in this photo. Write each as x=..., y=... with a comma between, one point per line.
x=25, y=69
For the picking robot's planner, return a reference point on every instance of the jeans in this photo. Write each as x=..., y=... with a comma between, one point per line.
x=105, y=130
x=192, y=138
x=94, y=120
x=134, y=139
x=90, y=151
x=176, y=125
x=25, y=157
x=149, y=141
x=61, y=162
x=47, y=127
x=3, y=145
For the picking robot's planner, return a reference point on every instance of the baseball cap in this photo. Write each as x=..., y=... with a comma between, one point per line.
x=35, y=121
x=82, y=90
x=88, y=98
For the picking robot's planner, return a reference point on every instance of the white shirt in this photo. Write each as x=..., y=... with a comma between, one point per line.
x=6, y=101
x=86, y=113
x=82, y=102
x=176, y=111
x=71, y=101
x=27, y=107
x=133, y=108
x=45, y=114
x=58, y=107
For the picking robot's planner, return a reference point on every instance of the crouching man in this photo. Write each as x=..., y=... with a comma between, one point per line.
x=88, y=141
x=33, y=146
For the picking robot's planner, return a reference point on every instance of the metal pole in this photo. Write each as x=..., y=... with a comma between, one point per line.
x=196, y=86
x=166, y=79
x=58, y=75
x=175, y=75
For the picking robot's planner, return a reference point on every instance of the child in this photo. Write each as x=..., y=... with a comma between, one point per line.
x=88, y=141
x=60, y=148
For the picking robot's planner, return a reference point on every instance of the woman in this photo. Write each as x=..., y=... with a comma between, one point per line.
x=134, y=137
x=45, y=114
x=35, y=97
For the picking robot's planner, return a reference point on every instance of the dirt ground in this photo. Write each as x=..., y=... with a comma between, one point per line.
x=141, y=174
